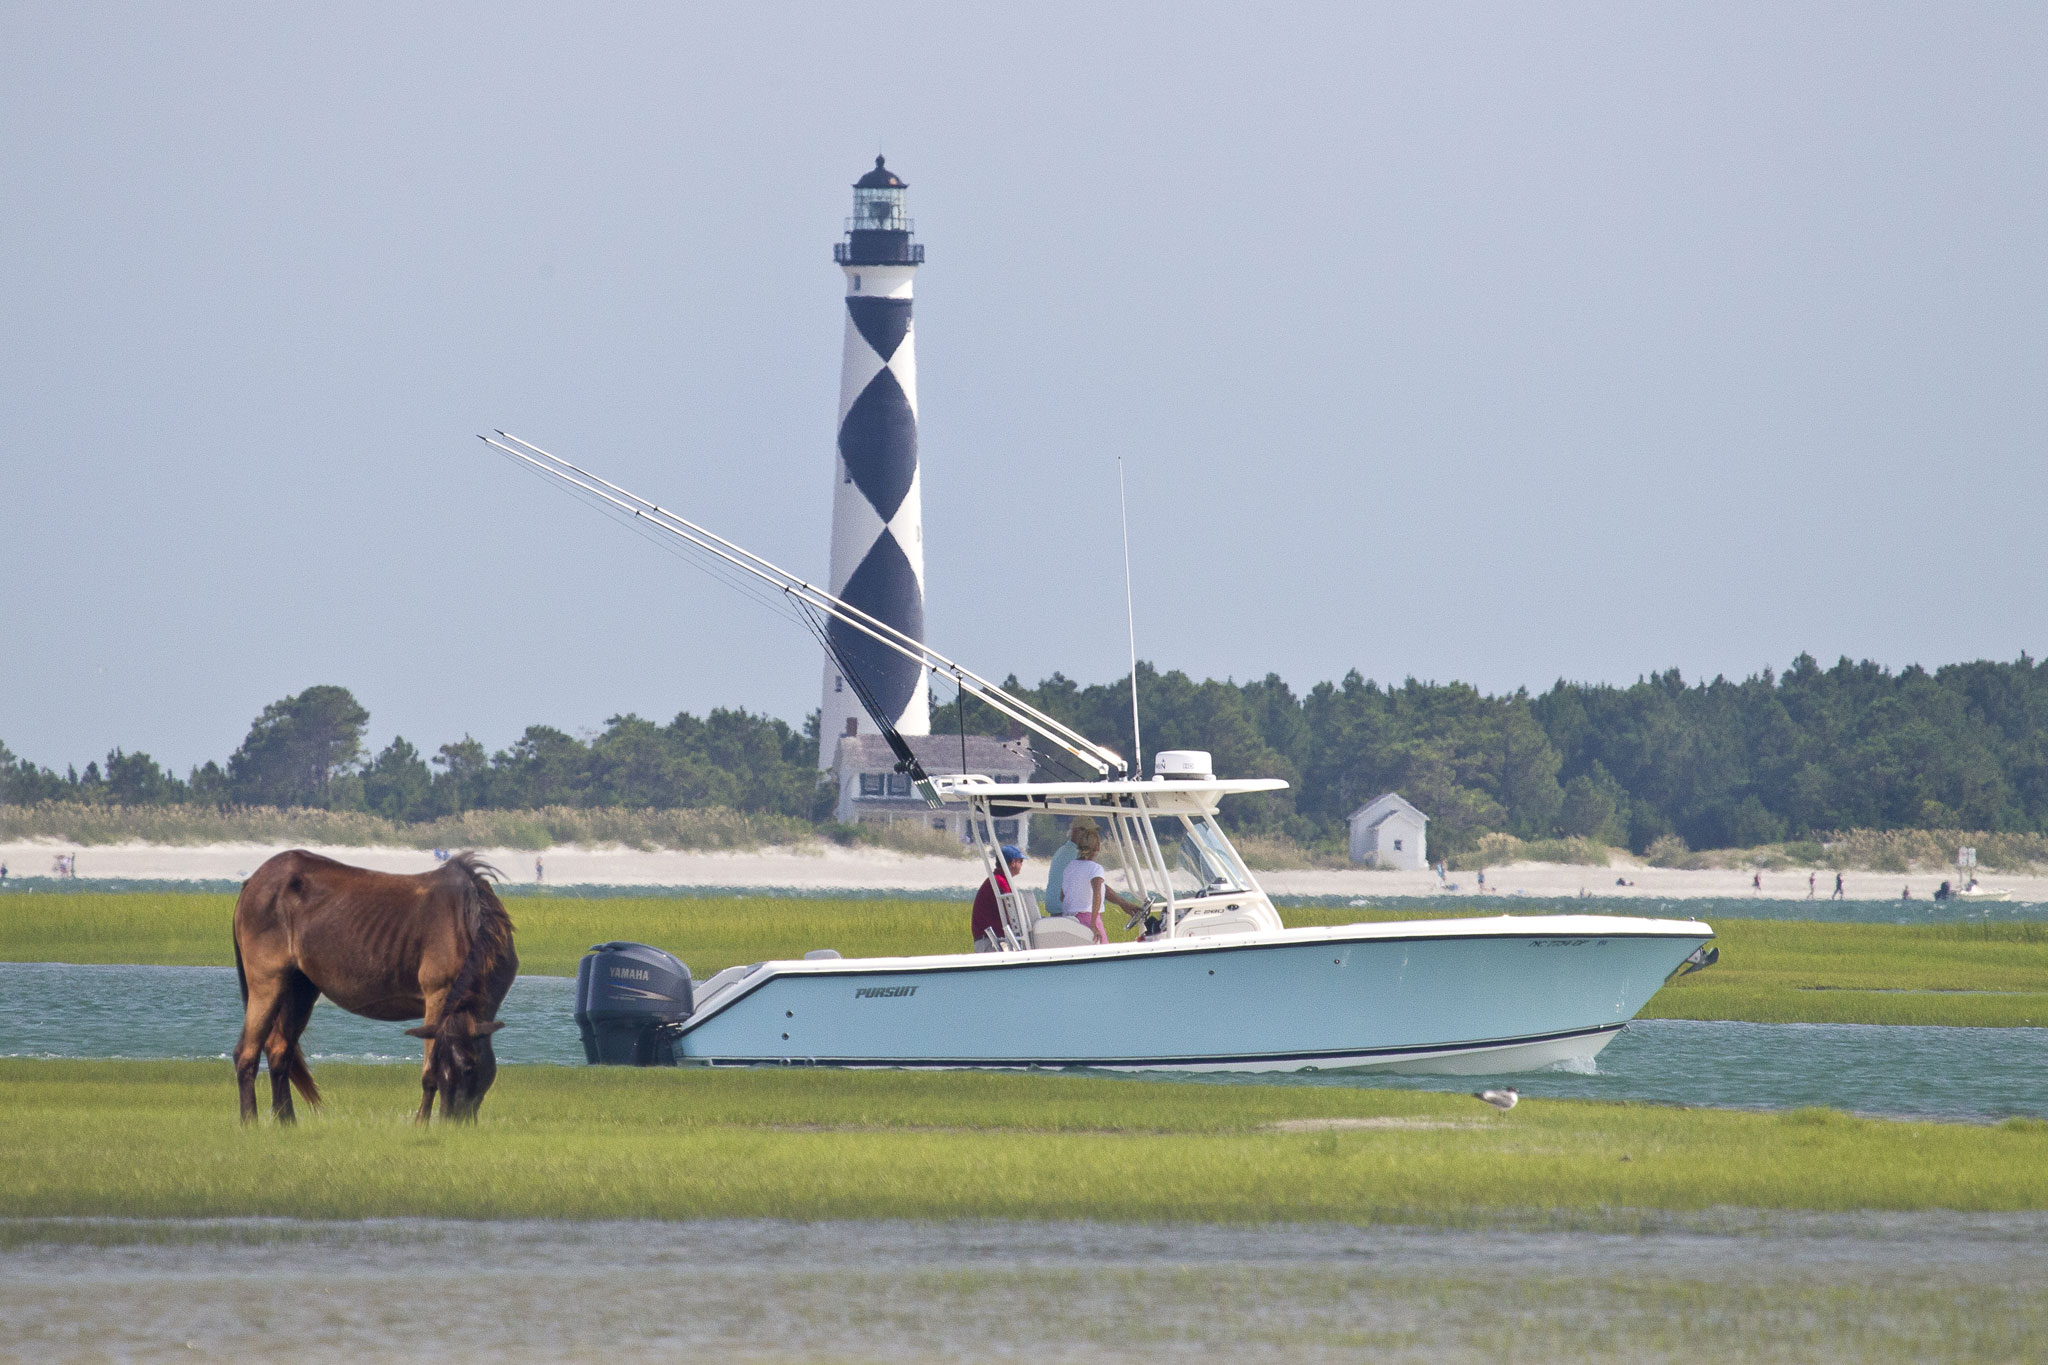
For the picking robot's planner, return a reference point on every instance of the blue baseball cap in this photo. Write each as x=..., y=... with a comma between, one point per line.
x=1012, y=854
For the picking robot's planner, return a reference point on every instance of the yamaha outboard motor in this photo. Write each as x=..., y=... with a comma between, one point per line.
x=631, y=1001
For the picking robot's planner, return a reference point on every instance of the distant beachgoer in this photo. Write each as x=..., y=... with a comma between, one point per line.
x=1085, y=888
x=1756, y=882
x=1811, y=879
x=3, y=874
x=1907, y=894
x=1838, y=888
x=538, y=872
x=1482, y=879
x=1441, y=871
x=987, y=923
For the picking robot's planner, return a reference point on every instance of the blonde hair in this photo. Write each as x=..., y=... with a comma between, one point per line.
x=1085, y=839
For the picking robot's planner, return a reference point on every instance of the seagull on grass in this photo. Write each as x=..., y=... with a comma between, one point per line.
x=1502, y=1100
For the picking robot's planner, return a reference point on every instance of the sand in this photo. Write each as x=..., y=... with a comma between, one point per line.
x=828, y=867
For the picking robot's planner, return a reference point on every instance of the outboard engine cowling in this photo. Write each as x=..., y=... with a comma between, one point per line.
x=631, y=1001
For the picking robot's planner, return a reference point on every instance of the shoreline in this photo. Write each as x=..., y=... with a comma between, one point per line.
x=831, y=867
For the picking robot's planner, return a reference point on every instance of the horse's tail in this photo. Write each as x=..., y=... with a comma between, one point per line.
x=301, y=1075
x=241, y=977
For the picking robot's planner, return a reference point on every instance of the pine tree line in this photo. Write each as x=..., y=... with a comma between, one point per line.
x=1718, y=764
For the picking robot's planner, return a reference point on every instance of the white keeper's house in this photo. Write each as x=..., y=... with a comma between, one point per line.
x=1387, y=832
x=871, y=791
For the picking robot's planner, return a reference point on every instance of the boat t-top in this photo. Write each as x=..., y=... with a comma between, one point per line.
x=1214, y=982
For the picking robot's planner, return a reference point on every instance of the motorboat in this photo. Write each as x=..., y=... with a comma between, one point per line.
x=1213, y=980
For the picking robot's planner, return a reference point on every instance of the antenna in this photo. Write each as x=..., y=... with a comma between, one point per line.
x=1130, y=621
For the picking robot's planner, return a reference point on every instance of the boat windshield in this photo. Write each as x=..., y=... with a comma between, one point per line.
x=1202, y=862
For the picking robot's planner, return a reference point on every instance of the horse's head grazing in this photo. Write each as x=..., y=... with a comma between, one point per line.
x=463, y=1062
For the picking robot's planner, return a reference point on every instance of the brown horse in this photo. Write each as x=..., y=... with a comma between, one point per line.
x=437, y=946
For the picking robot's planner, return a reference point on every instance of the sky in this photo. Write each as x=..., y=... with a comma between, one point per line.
x=1490, y=342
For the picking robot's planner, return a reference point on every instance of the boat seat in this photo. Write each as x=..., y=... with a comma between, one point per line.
x=1057, y=931
x=731, y=976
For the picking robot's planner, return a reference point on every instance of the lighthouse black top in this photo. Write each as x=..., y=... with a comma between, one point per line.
x=879, y=233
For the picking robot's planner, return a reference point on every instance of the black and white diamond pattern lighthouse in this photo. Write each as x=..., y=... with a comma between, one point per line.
x=877, y=507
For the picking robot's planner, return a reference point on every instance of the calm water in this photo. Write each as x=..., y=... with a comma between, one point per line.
x=61, y=1010
x=1860, y=1287
x=1900, y=1071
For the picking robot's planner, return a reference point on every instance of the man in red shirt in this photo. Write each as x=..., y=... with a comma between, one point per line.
x=988, y=917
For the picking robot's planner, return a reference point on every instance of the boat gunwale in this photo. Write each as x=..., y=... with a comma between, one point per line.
x=1502, y=926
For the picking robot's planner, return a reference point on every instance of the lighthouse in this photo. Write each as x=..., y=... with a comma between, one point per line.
x=877, y=507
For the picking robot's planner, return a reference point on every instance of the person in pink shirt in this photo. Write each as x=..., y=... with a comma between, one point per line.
x=1086, y=884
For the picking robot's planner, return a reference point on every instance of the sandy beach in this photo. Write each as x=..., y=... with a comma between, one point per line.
x=828, y=867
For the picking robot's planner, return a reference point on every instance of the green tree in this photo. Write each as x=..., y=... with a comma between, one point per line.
x=397, y=785
x=1594, y=806
x=297, y=747
x=461, y=783
x=136, y=780
x=22, y=782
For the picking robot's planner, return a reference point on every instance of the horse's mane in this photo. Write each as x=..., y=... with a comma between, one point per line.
x=489, y=928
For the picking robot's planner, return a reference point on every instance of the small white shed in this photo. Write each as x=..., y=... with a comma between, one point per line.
x=1388, y=832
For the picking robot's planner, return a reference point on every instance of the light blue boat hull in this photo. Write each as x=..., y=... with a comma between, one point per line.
x=1462, y=996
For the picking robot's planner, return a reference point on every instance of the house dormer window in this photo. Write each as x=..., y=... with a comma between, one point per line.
x=871, y=784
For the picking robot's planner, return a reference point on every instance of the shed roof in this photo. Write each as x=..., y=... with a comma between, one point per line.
x=1380, y=807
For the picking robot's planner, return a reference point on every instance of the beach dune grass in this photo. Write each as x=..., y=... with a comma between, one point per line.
x=148, y=1139
x=1771, y=971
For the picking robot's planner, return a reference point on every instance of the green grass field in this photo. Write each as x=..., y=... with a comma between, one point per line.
x=1780, y=971
x=1771, y=971
x=147, y=1139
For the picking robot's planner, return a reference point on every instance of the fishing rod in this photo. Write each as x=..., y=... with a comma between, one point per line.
x=811, y=599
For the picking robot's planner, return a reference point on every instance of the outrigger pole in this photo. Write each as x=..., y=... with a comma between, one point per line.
x=815, y=600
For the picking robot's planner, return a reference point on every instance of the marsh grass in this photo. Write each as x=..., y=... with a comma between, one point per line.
x=160, y=1140
x=710, y=828
x=1781, y=971
x=1771, y=971
x=1802, y=972
x=553, y=932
